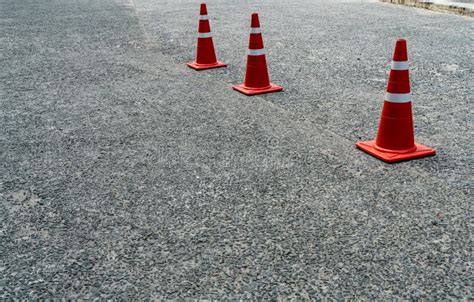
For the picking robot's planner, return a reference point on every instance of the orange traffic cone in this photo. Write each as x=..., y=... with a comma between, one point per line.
x=205, y=54
x=395, y=139
x=256, y=75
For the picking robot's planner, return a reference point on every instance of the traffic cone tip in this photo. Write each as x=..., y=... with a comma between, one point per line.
x=203, y=9
x=400, y=53
x=255, y=22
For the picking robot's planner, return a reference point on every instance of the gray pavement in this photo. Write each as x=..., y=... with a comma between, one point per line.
x=127, y=174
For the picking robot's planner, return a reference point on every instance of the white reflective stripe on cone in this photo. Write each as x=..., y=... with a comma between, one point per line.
x=204, y=35
x=203, y=17
x=398, y=97
x=255, y=30
x=256, y=52
x=400, y=65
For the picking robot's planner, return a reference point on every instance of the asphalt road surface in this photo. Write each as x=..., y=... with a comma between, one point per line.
x=126, y=174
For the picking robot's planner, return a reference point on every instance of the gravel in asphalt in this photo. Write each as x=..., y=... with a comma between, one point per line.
x=126, y=174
